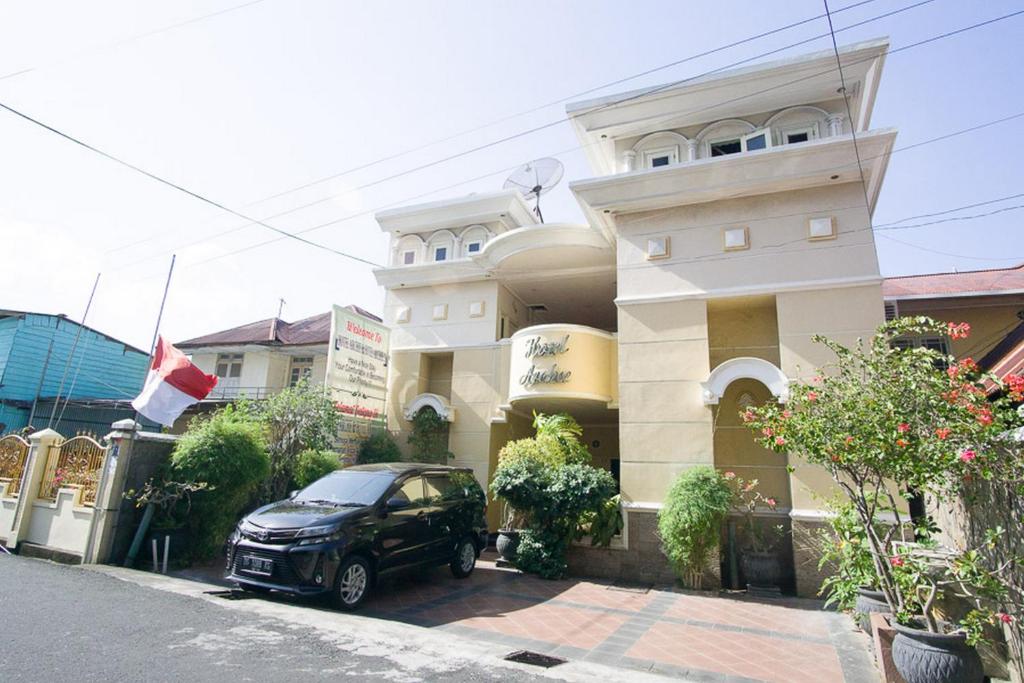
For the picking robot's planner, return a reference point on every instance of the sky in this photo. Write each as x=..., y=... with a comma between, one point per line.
x=242, y=102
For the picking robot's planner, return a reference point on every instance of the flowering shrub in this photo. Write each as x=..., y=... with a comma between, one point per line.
x=883, y=414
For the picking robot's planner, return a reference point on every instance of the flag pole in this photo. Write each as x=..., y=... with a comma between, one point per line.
x=156, y=330
x=71, y=356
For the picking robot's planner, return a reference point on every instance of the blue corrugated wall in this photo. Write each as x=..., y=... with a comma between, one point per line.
x=101, y=367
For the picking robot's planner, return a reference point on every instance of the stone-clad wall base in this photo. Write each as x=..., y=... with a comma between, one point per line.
x=642, y=562
x=806, y=555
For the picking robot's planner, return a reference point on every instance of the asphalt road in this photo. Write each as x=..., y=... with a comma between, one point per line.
x=61, y=623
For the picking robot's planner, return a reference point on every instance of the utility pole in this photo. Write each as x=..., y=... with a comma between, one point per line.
x=280, y=307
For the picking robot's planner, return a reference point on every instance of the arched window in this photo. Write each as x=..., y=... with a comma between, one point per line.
x=409, y=250
x=442, y=246
x=661, y=149
x=797, y=124
x=473, y=240
x=732, y=136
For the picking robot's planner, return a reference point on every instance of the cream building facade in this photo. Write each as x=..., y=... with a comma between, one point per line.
x=728, y=221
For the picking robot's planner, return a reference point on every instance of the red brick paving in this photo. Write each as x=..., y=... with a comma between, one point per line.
x=781, y=641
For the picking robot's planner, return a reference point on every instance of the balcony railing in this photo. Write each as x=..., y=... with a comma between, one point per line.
x=225, y=391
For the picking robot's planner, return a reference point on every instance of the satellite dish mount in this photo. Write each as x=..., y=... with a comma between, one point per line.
x=534, y=179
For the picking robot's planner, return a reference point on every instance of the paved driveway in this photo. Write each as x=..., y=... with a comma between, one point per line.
x=693, y=635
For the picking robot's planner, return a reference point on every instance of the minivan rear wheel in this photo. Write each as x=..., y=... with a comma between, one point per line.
x=352, y=584
x=465, y=558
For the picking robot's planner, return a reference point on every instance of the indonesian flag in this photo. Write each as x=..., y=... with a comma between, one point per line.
x=173, y=384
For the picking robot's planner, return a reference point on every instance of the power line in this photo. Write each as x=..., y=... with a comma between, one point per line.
x=129, y=39
x=180, y=188
x=643, y=93
x=956, y=218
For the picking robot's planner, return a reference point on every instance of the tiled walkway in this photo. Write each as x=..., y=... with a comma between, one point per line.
x=701, y=637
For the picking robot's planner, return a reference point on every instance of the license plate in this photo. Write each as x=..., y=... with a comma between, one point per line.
x=257, y=565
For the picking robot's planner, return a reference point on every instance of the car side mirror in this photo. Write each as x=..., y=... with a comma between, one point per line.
x=396, y=503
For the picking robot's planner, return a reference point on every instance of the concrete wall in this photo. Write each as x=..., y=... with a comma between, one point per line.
x=456, y=329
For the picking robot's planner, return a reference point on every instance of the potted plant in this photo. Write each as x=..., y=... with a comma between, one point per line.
x=930, y=646
x=759, y=558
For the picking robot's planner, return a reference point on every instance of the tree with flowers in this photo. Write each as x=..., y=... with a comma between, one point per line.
x=886, y=420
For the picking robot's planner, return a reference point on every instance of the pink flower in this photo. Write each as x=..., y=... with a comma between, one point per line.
x=958, y=330
x=903, y=428
x=780, y=441
x=771, y=502
x=984, y=417
x=730, y=475
x=849, y=440
x=786, y=414
x=1005, y=618
x=817, y=379
x=896, y=561
x=748, y=416
x=812, y=396
x=767, y=431
x=942, y=432
x=968, y=455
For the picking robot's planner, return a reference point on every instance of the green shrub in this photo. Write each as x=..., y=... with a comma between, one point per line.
x=845, y=548
x=429, y=437
x=690, y=522
x=311, y=465
x=379, y=447
x=228, y=452
x=604, y=524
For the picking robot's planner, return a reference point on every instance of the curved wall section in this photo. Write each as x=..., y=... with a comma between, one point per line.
x=563, y=361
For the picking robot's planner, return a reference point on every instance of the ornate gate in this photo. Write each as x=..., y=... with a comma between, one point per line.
x=13, y=454
x=74, y=463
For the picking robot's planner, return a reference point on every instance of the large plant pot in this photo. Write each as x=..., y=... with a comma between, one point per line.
x=761, y=569
x=923, y=657
x=868, y=602
x=507, y=543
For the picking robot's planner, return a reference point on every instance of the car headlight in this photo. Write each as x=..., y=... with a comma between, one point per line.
x=319, y=534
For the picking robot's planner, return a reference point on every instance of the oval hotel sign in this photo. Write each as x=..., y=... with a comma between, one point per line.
x=563, y=361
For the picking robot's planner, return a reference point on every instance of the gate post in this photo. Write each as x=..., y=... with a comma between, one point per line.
x=110, y=494
x=41, y=445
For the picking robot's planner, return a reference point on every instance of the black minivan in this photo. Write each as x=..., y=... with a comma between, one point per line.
x=344, y=531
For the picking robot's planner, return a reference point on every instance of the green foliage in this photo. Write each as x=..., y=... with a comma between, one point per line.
x=883, y=413
x=548, y=489
x=845, y=549
x=690, y=521
x=312, y=465
x=227, y=452
x=380, y=446
x=429, y=437
x=297, y=419
x=604, y=524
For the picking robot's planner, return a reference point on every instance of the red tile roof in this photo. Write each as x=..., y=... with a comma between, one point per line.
x=274, y=331
x=937, y=285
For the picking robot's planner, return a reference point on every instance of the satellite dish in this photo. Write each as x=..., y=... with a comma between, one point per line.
x=534, y=179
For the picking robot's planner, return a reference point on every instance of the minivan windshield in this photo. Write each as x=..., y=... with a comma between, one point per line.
x=347, y=488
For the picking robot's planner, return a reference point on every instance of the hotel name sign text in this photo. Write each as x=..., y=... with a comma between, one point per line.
x=538, y=347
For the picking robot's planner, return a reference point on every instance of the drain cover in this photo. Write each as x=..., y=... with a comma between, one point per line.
x=630, y=587
x=534, y=658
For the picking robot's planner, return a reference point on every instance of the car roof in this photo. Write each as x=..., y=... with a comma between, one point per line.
x=402, y=468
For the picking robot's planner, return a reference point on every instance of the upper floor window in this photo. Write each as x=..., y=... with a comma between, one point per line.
x=474, y=247
x=661, y=157
x=440, y=253
x=301, y=368
x=409, y=258
x=229, y=364
x=759, y=139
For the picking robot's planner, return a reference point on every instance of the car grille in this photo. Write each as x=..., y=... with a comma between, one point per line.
x=283, y=571
x=270, y=536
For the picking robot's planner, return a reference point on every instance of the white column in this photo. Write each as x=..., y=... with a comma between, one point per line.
x=835, y=124
x=628, y=160
x=691, y=150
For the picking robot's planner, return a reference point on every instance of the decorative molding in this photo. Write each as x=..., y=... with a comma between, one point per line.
x=439, y=403
x=749, y=290
x=561, y=327
x=744, y=368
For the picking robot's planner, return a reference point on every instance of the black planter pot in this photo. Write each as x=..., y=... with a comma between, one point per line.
x=923, y=657
x=868, y=602
x=761, y=569
x=507, y=543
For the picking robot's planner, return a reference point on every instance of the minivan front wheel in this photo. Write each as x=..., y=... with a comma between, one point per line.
x=465, y=558
x=352, y=585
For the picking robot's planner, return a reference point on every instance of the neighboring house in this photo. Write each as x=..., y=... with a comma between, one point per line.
x=259, y=359
x=100, y=379
x=991, y=301
x=726, y=225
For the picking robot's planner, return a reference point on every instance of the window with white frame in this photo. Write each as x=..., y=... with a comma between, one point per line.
x=940, y=344
x=409, y=258
x=301, y=368
x=474, y=247
x=666, y=156
x=441, y=253
x=797, y=134
x=753, y=141
x=229, y=365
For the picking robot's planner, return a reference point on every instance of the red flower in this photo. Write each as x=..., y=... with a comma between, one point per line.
x=730, y=475
x=748, y=416
x=780, y=441
x=767, y=431
x=786, y=414
x=902, y=443
x=896, y=561
x=968, y=455
x=984, y=416
x=1005, y=618
x=942, y=433
x=903, y=428
x=958, y=330
x=849, y=440
x=812, y=396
